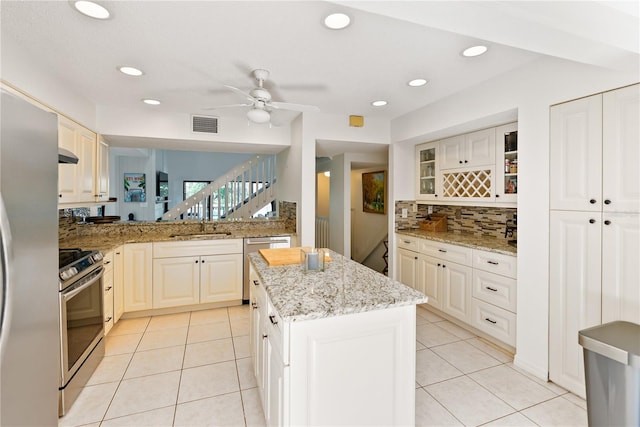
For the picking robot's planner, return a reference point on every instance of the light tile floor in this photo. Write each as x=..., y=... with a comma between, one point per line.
x=194, y=369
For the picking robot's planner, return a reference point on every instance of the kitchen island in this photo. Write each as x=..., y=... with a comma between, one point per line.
x=335, y=347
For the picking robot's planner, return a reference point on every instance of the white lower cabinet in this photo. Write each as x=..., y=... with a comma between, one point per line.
x=357, y=369
x=107, y=283
x=474, y=286
x=118, y=283
x=210, y=274
x=138, y=276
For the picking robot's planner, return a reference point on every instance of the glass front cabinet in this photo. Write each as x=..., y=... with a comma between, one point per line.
x=427, y=171
x=507, y=163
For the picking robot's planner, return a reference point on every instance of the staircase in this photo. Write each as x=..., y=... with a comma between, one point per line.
x=239, y=193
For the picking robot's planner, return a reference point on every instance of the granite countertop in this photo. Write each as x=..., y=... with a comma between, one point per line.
x=344, y=287
x=487, y=243
x=107, y=243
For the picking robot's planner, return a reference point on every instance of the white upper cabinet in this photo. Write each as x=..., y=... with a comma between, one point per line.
x=621, y=150
x=576, y=155
x=469, y=150
x=428, y=171
x=507, y=163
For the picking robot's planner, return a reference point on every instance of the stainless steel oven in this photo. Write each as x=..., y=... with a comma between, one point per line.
x=81, y=321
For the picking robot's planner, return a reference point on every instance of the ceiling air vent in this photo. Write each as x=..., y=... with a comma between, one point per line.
x=204, y=124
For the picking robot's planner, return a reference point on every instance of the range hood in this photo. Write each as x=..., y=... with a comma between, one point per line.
x=66, y=156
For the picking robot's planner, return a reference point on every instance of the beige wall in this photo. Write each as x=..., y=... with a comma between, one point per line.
x=322, y=195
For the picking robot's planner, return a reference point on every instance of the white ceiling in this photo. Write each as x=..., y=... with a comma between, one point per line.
x=189, y=50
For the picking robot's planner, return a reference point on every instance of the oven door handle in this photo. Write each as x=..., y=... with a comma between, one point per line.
x=66, y=296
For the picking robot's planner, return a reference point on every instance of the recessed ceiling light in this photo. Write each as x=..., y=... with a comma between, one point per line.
x=91, y=9
x=417, y=82
x=474, y=50
x=380, y=103
x=337, y=21
x=130, y=71
x=151, y=101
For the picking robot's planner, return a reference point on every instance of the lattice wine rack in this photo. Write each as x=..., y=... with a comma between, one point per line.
x=476, y=184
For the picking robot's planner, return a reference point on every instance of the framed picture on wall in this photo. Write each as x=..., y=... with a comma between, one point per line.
x=374, y=191
x=135, y=187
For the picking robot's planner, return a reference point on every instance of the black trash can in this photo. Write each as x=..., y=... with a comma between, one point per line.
x=612, y=373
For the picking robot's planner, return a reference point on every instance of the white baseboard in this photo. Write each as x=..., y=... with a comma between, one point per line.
x=534, y=370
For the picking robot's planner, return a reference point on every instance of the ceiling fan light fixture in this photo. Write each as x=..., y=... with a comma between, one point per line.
x=91, y=9
x=256, y=115
x=130, y=71
x=379, y=103
x=417, y=82
x=337, y=21
x=474, y=51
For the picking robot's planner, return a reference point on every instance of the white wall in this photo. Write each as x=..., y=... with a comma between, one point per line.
x=119, y=165
x=530, y=91
x=19, y=70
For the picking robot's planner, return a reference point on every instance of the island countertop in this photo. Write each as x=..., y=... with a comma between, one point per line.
x=344, y=287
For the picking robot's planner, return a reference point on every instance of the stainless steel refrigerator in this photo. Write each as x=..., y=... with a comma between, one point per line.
x=29, y=332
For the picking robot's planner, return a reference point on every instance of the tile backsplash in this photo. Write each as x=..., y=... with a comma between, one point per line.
x=480, y=221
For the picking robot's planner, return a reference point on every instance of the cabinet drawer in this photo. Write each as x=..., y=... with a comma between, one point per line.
x=408, y=242
x=107, y=262
x=108, y=308
x=499, y=323
x=505, y=265
x=446, y=251
x=196, y=248
x=495, y=289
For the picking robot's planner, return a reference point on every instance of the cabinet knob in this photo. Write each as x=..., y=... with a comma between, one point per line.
x=607, y=202
x=415, y=257
x=497, y=195
x=460, y=161
x=607, y=222
x=444, y=266
x=435, y=195
x=60, y=195
x=108, y=320
x=196, y=261
x=466, y=161
x=202, y=261
x=108, y=289
x=592, y=221
x=592, y=201
x=256, y=283
x=273, y=320
x=439, y=264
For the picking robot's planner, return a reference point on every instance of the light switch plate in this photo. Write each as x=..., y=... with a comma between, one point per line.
x=429, y=209
x=414, y=207
x=404, y=212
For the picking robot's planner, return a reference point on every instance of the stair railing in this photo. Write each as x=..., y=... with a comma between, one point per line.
x=239, y=193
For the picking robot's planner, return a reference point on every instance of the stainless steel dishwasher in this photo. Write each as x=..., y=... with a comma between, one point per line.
x=254, y=244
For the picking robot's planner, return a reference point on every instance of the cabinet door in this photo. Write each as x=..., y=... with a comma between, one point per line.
x=137, y=275
x=427, y=171
x=620, y=267
x=407, y=267
x=118, y=283
x=102, y=171
x=67, y=173
x=87, y=154
x=621, y=150
x=452, y=152
x=456, y=285
x=576, y=155
x=479, y=148
x=176, y=281
x=506, y=181
x=275, y=388
x=429, y=279
x=574, y=292
x=221, y=278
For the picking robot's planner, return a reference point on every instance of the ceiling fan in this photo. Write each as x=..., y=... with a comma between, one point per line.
x=259, y=99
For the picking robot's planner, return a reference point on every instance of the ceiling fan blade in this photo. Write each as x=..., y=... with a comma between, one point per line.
x=293, y=107
x=238, y=91
x=228, y=106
